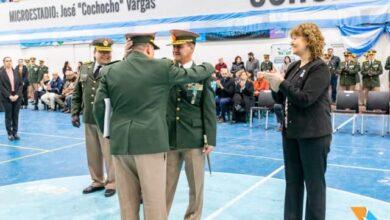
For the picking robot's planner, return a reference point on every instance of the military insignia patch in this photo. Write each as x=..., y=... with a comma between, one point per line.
x=195, y=86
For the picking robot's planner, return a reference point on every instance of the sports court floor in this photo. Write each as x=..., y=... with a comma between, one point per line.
x=43, y=174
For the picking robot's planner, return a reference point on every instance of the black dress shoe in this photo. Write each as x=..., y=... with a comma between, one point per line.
x=11, y=137
x=91, y=189
x=109, y=192
x=16, y=137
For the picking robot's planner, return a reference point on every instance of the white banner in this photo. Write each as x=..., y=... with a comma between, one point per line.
x=54, y=13
x=37, y=21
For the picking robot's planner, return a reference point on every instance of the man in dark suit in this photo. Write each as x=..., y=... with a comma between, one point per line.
x=11, y=87
x=225, y=92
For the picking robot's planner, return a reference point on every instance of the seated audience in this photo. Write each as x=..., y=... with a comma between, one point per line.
x=224, y=94
x=260, y=84
x=55, y=88
x=243, y=98
x=221, y=64
x=42, y=89
x=67, y=92
x=237, y=65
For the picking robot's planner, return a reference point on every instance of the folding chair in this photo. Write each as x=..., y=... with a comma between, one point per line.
x=347, y=103
x=265, y=103
x=377, y=104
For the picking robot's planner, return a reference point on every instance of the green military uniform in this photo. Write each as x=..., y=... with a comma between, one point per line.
x=190, y=115
x=33, y=72
x=145, y=128
x=266, y=66
x=138, y=88
x=348, y=72
x=359, y=68
x=387, y=67
x=332, y=68
x=98, y=149
x=85, y=92
x=42, y=69
x=370, y=72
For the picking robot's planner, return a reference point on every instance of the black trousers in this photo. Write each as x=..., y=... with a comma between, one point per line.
x=305, y=164
x=12, y=115
x=25, y=97
x=37, y=96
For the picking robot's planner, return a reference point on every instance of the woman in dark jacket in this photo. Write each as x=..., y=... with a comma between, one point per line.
x=21, y=70
x=237, y=66
x=243, y=98
x=307, y=129
x=11, y=87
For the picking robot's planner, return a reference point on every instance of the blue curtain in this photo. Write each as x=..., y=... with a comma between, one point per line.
x=388, y=29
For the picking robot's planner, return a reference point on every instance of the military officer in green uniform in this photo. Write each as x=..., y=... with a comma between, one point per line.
x=348, y=71
x=98, y=148
x=327, y=58
x=42, y=69
x=191, y=117
x=33, y=75
x=358, y=86
x=387, y=67
x=266, y=65
x=138, y=88
x=371, y=69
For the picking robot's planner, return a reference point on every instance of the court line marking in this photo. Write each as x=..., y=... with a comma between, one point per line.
x=329, y=164
x=40, y=153
x=244, y=193
x=49, y=135
x=247, y=155
x=23, y=147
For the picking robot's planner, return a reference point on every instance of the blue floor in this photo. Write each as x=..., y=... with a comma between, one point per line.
x=42, y=175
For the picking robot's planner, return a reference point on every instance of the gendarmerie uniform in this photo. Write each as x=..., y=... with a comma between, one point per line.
x=348, y=71
x=33, y=75
x=83, y=100
x=191, y=115
x=42, y=69
x=387, y=67
x=371, y=70
x=138, y=88
x=266, y=66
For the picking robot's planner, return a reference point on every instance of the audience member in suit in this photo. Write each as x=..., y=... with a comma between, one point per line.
x=243, y=98
x=21, y=70
x=224, y=94
x=41, y=90
x=11, y=86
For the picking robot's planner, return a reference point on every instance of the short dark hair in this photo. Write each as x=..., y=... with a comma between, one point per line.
x=250, y=54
